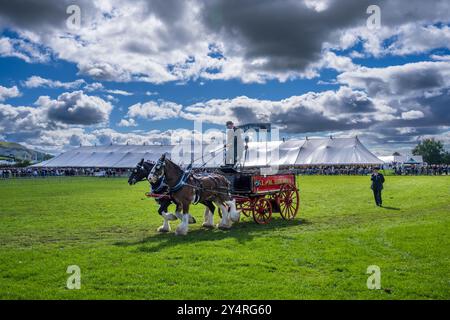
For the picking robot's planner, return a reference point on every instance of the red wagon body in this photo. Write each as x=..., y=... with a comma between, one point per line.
x=261, y=195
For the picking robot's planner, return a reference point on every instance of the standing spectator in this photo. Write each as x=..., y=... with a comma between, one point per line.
x=377, y=185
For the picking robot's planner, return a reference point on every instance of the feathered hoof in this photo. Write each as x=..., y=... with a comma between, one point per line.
x=236, y=217
x=223, y=227
x=163, y=230
x=171, y=217
x=208, y=226
x=181, y=232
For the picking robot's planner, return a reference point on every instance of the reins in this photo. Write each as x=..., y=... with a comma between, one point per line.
x=161, y=186
x=210, y=154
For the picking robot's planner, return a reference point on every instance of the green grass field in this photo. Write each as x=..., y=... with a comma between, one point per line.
x=108, y=229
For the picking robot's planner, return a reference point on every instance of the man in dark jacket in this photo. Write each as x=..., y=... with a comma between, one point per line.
x=377, y=185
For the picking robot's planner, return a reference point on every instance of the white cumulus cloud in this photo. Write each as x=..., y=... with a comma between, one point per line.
x=412, y=114
x=6, y=93
x=155, y=110
x=37, y=82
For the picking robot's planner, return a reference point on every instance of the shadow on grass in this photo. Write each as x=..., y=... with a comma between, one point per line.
x=390, y=208
x=243, y=231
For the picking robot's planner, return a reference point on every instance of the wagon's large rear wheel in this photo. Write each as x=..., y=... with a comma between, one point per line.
x=262, y=211
x=289, y=200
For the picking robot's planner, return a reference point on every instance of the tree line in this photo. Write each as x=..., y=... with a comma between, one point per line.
x=432, y=151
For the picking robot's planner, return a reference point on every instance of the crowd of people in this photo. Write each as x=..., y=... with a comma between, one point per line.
x=334, y=170
x=398, y=169
x=424, y=170
x=11, y=172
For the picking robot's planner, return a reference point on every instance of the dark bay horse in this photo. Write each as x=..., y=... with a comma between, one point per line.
x=140, y=173
x=186, y=188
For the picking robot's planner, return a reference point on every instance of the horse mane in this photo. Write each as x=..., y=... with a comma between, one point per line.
x=174, y=165
x=149, y=164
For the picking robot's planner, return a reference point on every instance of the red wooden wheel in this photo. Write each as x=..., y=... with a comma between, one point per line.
x=262, y=211
x=289, y=201
x=245, y=207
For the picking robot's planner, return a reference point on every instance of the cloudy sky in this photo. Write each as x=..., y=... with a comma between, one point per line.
x=142, y=70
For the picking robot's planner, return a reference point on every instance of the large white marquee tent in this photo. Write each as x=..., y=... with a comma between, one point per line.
x=330, y=151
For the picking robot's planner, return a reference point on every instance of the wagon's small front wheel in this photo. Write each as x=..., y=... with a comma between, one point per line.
x=262, y=211
x=289, y=201
x=245, y=207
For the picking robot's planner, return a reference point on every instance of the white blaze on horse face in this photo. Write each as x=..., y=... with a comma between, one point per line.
x=152, y=177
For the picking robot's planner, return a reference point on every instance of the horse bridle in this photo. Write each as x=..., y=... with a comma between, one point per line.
x=160, y=164
x=141, y=167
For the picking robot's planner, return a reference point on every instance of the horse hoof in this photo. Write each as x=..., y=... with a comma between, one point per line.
x=207, y=226
x=223, y=227
x=163, y=230
x=180, y=232
x=236, y=218
x=180, y=217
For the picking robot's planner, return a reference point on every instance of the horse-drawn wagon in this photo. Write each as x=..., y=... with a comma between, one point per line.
x=233, y=188
x=259, y=195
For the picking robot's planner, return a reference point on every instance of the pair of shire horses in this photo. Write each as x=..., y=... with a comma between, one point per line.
x=184, y=188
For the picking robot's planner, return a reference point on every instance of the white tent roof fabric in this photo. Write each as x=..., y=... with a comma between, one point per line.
x=335, y=151
x=331, y=151
x=402, y=159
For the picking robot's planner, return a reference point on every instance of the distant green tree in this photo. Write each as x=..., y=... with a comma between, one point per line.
x=431, y=150
x=396, y=154
x=446, y=158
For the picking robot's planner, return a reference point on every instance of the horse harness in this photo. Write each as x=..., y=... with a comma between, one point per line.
x=188, y=178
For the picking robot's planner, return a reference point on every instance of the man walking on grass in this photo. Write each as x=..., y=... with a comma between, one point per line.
x=377, y=185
